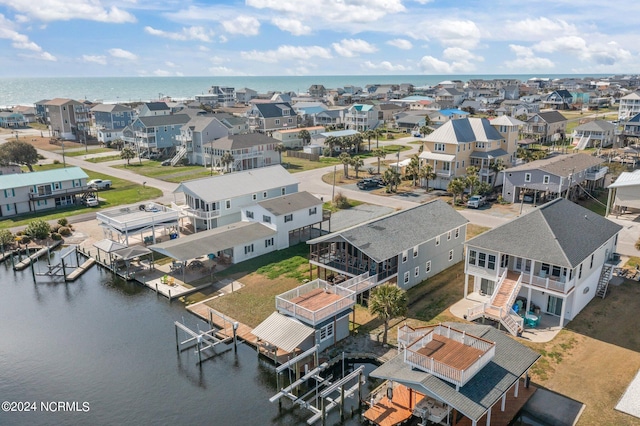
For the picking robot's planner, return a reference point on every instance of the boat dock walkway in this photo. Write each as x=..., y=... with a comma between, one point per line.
x=222, y=322
x=23, y=264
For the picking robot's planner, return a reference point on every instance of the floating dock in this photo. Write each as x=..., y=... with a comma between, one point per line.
x=37, y=255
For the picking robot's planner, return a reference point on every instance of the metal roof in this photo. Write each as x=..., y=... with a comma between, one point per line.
x=109, y=246
x=436, y=156
x=558, y=233
x=244, y=140
x=231, y=185
x=465, y=130
x=386, y=237
x=484, y=390
x=560, y=165
x=132, y=252
x=626, y=179
x=290, y=203
x=21, y=180
x=282, y=331
x=496, y=153
x=505, y=120
x=213, y=240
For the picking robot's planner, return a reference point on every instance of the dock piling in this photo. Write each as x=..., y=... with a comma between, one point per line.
x=235, y=335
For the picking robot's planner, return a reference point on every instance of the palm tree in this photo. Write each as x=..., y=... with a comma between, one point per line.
x=356, y=141
x=369, y=134
x=379, y=154
x=280, y=148
x=413, y=169
x=456, y=187
x=332, y=141
x=305, y=136
x=524, y=154
x=227, y=159
x=427, y=173
x=378, y=132
x=345, y=158
x=127, y=153
x=496, y=167
x=356, y=163
x=387, y=301
x=392, y=178
x=472, y=178
x=425, y=130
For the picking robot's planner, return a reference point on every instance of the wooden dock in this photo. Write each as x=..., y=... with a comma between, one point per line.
x=222, y=322
x=37, y=255
x=398, y=410
x=76, y=273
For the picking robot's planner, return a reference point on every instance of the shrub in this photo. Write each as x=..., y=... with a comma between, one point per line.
x=56, y=161
x=341, y=201
x=63, y=221
x=64, y=231
x=55, y=227
x=24, y=239
x=6, y=237
x=38, y=229
x=55, y=236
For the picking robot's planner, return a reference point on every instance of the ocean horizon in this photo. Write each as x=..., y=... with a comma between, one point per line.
x=28, y=90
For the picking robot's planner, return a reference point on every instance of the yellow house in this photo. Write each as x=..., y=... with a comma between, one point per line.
x=465, y=142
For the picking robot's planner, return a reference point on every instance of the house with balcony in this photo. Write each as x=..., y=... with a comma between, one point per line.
x=291, y=137
x=109, y=120
x=594, y=134
x=37, y=191
x=629, y=106
x=245, y=95
x=271, y=116
x=450, y=97
x=12, y=120
x=405, y=247
x=361, y=117
x=556, y=258
x=543, y=180
x=218, y=200
x=67, y=118
x=156, y=133
x=196, y=138
x=438, y=118
x=249, y=151
x=631, y=127
x=28, y=112
x=558, y=99
x=509, y=127
x=458, y=144
x=453, y=373
x=546, y=126
x=331, y=117
x=152, y=109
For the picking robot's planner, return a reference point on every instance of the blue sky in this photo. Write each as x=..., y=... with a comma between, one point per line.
x=316, y=37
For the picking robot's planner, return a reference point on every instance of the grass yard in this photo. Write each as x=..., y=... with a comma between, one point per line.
x=153, y=169
x=92, y=150
x=295, y=165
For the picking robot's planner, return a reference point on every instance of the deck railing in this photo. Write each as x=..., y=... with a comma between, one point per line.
x=160, y=216
x=548, y=283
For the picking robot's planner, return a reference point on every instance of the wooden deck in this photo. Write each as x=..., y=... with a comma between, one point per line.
x=398, y=410
x=316, y=299
x=501, y=299
x=450, y=352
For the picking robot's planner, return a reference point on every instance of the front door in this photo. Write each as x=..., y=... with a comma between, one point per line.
x=487, y=286
x=554, y=305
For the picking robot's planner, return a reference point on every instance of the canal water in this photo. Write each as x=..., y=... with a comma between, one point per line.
x=106, y=349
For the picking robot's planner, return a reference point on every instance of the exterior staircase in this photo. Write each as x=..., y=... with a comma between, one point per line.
x=179, y=155
x=584, y=141
x=603, y=282
x=499, y=308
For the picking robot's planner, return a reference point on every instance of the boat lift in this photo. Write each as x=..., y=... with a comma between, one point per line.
x=202, y=340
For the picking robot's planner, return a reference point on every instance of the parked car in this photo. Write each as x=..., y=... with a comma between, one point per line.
x=166, y=163
x=476, y=201
x=99, y=183
x=368, y=183
x=91, y=201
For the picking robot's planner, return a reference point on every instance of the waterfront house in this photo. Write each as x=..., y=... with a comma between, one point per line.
x=245, y=95
x=546, y=126
x=331, y=117
x=155, y=133
x=109, y=120
x=406, y=247
x=196, y=138
x=41, y=110
x=218, y=200
x=271, y=116
x=461, y=143
x=453, y=370
x=361, y=117
x=546, y=179
x=594, y=134
x=249, y=151
x=28, y=112
x=291, y=137
x=37, y=191
x=67, y=118
x=555, y=257
x=12, y=119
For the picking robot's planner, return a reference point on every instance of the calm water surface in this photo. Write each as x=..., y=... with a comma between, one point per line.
x=112, y=344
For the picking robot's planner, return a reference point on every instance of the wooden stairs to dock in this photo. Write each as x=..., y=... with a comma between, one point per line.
x=603, y=281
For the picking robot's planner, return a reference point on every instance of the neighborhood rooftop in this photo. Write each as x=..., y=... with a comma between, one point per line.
x=560, y=165
x=465, y=130
x=290, y=203
x=39, y=178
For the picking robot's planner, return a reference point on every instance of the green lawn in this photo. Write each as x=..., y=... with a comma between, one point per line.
x=152, y=168
x=295, y=165
x=103, y=159
x=81, y=152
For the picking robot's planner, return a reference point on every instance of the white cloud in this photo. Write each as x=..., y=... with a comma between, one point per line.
x=203, y=48
x=96, y=59
x=187, y=33
x=459, y=54
x=536, y=29
x=568, y=44
x=122, y=54
x=22, y=41
x=457, y=33
x=222, y=39
x=336, y=11
x=385, y=66
x=352, y=47
x=430, y=65
x=162, y=73
x=526, y=59
x=244, y=25
x=64, y=10
x=224, y=71
x=286, y=53
x=292, y=26
x=170, y=64
x=600, y=53
x=401, y=43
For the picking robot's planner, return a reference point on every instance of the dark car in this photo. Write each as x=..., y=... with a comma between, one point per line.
x=368, y=183
x=166, y=163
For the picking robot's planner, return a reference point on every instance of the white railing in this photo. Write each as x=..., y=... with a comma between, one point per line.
x=476, y=312
x=597, y=174
x=360, y=283
x=496, y=289
x=179, y=155
x=584, y=141
x=430, y=365
x=548, y=283
x=161, y=216
x=407, y=334
x=514, y=291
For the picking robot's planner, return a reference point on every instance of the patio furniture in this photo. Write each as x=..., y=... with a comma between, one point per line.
x=531, y=320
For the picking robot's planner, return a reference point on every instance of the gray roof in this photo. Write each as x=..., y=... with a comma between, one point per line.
x=290, y=203
x=551, y=116
x=200, y=123
x=386, y=237
x=157, y=106
x=510, y=362
x=21, y=180
x=282, y=331
x=560, y=165
x=465, y=130
x=164, y=120
x=596, y=126
x=496, y=153
x=244, y=140
x=110, y=108
x=231, y=185
x=558, y=233
x=213, y=240
x=274, y=109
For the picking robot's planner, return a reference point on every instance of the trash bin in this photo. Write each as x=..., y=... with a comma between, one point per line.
x=211, y=256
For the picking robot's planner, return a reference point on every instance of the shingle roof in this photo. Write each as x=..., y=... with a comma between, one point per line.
x=110, y=108
x=551, y=116
x=164, y=120
x=157, y=106
x=245, y=140
x=596, y=126
x=290, y=203
x=510, y=362
x=200, y=123
x=20, y=180
x=61, y=101
x=559, y=233
x=561, y=165
x=384, y=238
x=465, y=130
x=273, y=109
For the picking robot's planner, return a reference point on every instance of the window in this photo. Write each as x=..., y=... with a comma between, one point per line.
x=249, y=214
x=406, y=277
x=482, y=260
x=288, y=218
x=228, y=204
x=266, y=219
x=313, y=211
x=268, y=242
x=416, y=271
x=248, y=249
x=404, y=256
x=457, y=232
x=439, y=147
x=254, y=197
x=326, y=332
x=527, y=177
x=448, y=235
x=451, y=256
x=415, y=252
x=545, y=179
x=446, y=167
x=264, y=194
x=283, y=191
x=427, y=267
x=472, y=257
x=277, y=121
x=438, y=240
x=492, y=262
x=591, y=263
x=580, y=272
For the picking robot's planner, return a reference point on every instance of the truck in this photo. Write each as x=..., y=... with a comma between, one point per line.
x=99, y=184
x=476, y=201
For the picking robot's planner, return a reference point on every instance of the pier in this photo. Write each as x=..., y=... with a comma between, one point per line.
x=23, y=264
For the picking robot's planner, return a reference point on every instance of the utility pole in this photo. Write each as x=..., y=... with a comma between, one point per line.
x=333, y=191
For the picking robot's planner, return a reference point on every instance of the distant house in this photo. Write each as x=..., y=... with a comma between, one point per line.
x=28, y=112
x=197, y=136
x=249, y=151
x=386, y=111
x=552, y=177
x=224, y=96
x=37, y=191
x=12, y=119
x=67, y=118
x=438, y=118
x=245, y=95
x=559, y=99
x=361, y=117
x=631, y=127
x=597, y=133
x=218, y=200
x=291, y=137
x=449, y=97
x=155, y=133
x=332, y=117
x=317, y=91
x=555, y=257
x=110, y=120
x=272, y=116
x=410, y=122
x=629, y=106
x=547, y=126
x=624, y=194
x=151, y=109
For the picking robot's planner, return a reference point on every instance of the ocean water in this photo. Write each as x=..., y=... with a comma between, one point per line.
x=26, y=91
